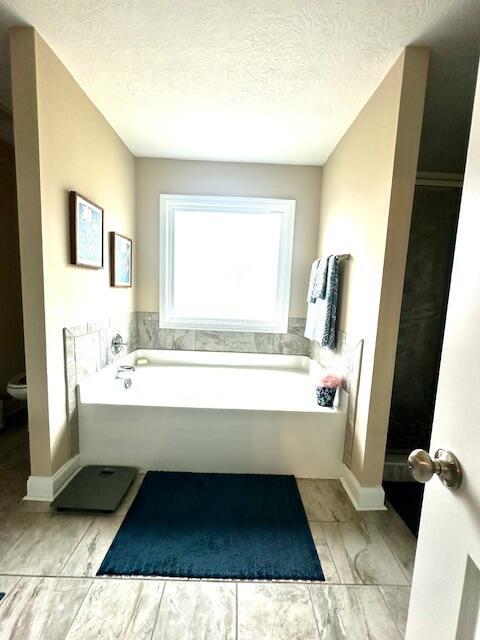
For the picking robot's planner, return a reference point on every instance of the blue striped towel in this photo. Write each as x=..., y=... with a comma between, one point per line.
x=322, y=314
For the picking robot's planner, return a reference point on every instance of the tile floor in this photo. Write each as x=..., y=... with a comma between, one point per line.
x=48, y=564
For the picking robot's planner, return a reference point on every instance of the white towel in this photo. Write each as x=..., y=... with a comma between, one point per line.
x=317, y=286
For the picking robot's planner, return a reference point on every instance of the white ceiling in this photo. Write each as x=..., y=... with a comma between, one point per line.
x=250, y=80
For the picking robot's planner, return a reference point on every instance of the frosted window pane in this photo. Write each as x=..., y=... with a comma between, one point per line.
x=226, y=264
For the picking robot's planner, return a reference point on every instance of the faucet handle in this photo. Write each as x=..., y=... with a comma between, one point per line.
x=117, y=343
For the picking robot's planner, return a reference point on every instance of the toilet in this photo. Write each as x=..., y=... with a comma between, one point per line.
x=17, y=387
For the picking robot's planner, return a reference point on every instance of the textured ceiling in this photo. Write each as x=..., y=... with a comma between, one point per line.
x=250, y=80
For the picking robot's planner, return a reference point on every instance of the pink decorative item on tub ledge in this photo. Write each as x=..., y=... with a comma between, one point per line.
x=327, y=389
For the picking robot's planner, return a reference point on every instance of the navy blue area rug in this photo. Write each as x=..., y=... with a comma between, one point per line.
x=209, y=525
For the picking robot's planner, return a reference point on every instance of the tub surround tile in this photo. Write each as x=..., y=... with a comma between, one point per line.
x=324, y=554
x=397, y=600
x=210, y=340
x=191, y=610
x=87, y=354
x=184, y=340
x=41, y=608
x=118, y=609
x=361, y=555
x=88, y=555
x=280, y=611
x=151, y=337
x=163, y=339
x=147, y=328
x=79, y=329
x=325, y=500
x=352, y=613
x=293, y=344
x=263, y=342
x=297, y=326
x=353, y=381
x=239, y=341
x=45, y=545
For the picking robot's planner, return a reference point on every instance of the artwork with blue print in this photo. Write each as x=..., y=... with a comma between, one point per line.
x=86, y=232
x=121, y=260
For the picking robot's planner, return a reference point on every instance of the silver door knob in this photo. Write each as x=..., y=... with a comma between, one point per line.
x=445, y=465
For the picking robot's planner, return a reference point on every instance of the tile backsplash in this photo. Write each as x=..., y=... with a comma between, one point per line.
x=345, y=360
x=150, y=336
x=87, y=350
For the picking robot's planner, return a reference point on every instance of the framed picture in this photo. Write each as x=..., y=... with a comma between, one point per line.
x=86, y=232
x=120, y=260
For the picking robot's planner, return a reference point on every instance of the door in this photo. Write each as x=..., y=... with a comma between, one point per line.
x=446, y=583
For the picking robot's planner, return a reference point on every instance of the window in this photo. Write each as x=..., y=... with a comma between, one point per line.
x=225, y=263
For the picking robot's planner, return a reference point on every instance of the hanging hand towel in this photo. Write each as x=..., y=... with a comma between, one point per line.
x=322, y=314
x=317, y=287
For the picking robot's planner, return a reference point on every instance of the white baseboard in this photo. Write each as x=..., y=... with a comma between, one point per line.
x=362, y=498
x=46, y=488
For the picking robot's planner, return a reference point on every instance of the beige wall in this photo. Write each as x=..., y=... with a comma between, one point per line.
x=156, y=176
x=367, y=194
x=11, y=321
x=63, y=143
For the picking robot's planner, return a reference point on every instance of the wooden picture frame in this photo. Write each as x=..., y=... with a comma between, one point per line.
x=121, y=260
x=86, y=232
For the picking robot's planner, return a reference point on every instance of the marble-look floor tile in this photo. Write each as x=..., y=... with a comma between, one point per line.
x=400, y=540
x=41, y=608
x=191, y=610
x=361, y=555
x=13, y=526
x=118, y=609
x=397, y=599
x=352, y=613
x=324, y=554
x=88, y=556
x=280, y=611
x=325, y=500
x=33, y=506
x=11, y=493
x=7, y=583
x=45, y=545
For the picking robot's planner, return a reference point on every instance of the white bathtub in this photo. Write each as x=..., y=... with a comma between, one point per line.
x=218, y=412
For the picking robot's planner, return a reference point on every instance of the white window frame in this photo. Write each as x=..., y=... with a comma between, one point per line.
x=168, y=204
